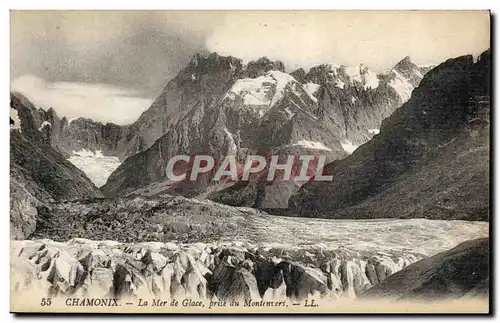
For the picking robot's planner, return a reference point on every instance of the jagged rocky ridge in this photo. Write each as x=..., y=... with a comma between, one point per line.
x=432, y=153
x=66, y=136
x=218, y=106
x=39, y=174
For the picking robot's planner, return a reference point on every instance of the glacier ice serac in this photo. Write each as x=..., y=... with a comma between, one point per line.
x=95, y=165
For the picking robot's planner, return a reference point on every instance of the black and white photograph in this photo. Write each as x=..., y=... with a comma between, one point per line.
x=245, y=162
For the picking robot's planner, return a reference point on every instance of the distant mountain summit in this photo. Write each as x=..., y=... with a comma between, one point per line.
x=404, y=77
x=219, y=106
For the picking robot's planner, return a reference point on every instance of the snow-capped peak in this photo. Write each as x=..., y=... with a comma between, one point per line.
x=404, y=77
x=282, y=79
x=264, y=91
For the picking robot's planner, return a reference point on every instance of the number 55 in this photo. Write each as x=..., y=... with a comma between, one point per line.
x=46, y=302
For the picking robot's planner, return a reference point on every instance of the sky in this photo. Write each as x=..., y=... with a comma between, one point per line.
x=110, y=65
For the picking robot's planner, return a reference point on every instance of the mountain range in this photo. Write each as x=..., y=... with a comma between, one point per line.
x=218, y=102
x=260, y=109
x=411, y=143
x=423, y=135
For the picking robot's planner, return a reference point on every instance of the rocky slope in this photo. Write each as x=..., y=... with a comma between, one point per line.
x=248, y=115
x=218, y=106
x=460, y=272
x=431, y=158
x=91, y=146
x=67, y=136
x=38, y=174
x=206, y=250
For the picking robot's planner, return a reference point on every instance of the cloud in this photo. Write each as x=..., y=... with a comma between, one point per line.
x=87, y=62
x=143, y=49
x=377, y=38
x=134, y=49
x=100, y=102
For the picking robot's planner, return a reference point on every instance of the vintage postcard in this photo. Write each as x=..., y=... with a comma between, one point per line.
x=250, y=161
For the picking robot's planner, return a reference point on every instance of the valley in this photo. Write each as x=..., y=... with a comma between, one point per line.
x=93, y=212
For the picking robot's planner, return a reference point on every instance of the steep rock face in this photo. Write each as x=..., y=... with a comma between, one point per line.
x=24, y=199
x=433, y=152
x=39, y=174
x=254, y=116
x=460, y=272
x=86, y=134
x=195, y=88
